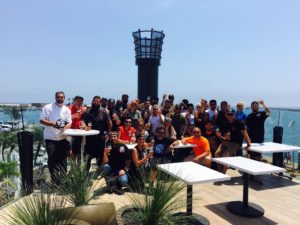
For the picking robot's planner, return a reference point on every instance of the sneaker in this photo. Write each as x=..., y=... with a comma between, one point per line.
x=109, y=190
x=119, y=191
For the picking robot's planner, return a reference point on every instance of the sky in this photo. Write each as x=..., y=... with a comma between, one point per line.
x=234, y=50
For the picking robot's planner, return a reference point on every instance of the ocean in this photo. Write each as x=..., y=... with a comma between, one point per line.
x=281, y=117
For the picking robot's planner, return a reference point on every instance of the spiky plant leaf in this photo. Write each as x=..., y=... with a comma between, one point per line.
x=77, y=184
x=37, y=209
x=160, y=201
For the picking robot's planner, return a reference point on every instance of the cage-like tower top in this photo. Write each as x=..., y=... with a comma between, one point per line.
x=148, y=46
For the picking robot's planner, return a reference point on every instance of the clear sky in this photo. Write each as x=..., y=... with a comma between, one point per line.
x=223, y=49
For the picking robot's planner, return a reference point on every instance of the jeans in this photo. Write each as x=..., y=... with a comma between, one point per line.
x=109, y=172
x=57, y=156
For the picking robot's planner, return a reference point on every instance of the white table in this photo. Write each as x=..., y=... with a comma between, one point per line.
x=83, y=134
x=191, y=173
x=277, y=149
x=187, y=145
x=131, y=146
x=247, y=166
x=271, y=147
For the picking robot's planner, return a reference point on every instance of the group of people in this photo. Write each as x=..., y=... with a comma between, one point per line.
x=153, y=128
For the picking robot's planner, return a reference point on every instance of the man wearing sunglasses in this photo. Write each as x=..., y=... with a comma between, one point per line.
x=202, y=153
x=235, y=133
x=163, y=146
x=126, y=133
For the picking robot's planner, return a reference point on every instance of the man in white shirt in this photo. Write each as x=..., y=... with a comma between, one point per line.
x=56, y=117
x=156, y=119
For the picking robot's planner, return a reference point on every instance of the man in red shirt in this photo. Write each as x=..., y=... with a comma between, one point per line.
x=126, y=133
x=202, y=154
x=76, y=112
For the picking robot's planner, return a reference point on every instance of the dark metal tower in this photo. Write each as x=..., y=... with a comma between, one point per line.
x=148, y=47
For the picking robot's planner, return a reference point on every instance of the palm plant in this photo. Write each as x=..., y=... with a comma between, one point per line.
x=38, y=139
x=77, y=184
x=8, y=142
x=12, y=112
x=37, y=209
x=159, y=204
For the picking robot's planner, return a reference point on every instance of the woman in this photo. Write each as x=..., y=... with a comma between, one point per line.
x=240, y=115
x=133, y=113
x=141, y=129
x=140, y=160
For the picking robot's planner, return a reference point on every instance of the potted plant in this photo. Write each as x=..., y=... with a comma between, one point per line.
x=79, y=189
x=160, y=203
x=38, y=209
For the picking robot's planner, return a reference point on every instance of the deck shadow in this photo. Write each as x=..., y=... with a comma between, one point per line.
x=268, y=182
x=221, y=210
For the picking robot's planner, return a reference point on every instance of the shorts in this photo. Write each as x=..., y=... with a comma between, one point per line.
x=228, y=146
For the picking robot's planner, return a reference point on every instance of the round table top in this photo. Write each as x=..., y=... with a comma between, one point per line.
x=79, y=132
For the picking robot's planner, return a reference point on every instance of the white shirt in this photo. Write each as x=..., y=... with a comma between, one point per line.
x=211, y=113
x=155, y=122
x=52, y=113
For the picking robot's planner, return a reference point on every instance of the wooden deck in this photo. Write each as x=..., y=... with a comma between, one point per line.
x=279, y=197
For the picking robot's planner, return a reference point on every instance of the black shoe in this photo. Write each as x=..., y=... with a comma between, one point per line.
x=119, y=191
x=109, y=190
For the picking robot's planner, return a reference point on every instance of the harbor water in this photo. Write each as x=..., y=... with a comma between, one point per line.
x=279, y=117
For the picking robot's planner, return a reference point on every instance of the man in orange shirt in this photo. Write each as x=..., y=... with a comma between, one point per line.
x=202, y=154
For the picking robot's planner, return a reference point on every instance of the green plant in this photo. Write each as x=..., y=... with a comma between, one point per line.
x=77, y=184
x=160, y=202
x=8, y=169
x=8, y=142
x=37, y=209
x=13, y=112
x=38, y=139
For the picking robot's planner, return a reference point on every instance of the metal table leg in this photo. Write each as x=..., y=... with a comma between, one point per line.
x=245, y=208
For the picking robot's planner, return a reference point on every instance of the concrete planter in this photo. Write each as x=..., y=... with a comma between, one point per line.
x=100, y=214
x=197, y=219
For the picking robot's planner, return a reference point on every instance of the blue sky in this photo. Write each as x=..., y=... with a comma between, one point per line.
x=226, y=49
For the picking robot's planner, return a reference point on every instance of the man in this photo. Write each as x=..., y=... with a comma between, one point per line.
x=113, y=114
x=255, y=123
x=221, y=118
x=233, y=137
x=116, y=163
x=214, y=142
x=126, y=133
x=146, y=111
x=212, y=111
x=156, y=119
x=56, y=117
x=76, y=111
x=163, y=146
x=96, y=118
x=178, y=121
x=202, y=153
x=189, y=115
x=124, y=101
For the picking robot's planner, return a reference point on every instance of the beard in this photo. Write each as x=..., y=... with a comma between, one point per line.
x=95, y=107
x=59, y=102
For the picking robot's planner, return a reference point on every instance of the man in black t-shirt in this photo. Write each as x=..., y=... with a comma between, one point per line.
x=116, y=161
x=255, y=123
x=163, y=146
x=96, y=118
x=232, y=139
